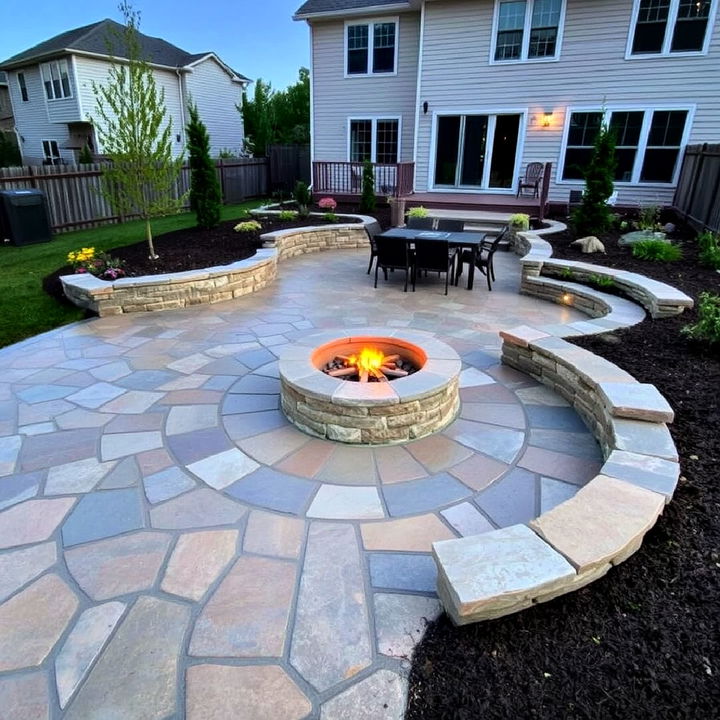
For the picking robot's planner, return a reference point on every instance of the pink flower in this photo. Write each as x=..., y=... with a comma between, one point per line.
x=80, y=270
x=327, y=204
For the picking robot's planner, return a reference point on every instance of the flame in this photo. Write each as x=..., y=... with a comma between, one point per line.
x=368, y=359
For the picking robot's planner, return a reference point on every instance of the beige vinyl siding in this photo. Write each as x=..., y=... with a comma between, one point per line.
x=92, y=69
x=31, y=118
x=337, y=98
x=592, y=69
x=216, y=96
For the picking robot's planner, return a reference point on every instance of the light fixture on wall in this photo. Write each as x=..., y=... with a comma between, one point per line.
x=425, y=107
x=546, y=118
x=177, y=137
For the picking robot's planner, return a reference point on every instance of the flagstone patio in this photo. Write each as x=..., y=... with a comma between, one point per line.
x=171, y=546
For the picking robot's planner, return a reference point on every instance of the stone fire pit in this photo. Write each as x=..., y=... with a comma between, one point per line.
x=374, y=413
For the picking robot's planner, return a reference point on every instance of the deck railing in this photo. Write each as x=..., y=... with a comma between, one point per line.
x=345, y=178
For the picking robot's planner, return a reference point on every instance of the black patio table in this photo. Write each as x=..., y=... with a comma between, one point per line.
x=469, y=240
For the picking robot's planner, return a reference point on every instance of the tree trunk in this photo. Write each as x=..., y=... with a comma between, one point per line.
x=148, y=236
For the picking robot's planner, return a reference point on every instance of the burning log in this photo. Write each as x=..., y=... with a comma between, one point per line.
x=392, y=372
x=369, y=365
x=343, y=372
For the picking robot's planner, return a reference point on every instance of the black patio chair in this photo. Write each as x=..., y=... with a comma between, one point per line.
x=418, y=223
x=450, y=225
x=436, y=256
x=483, y=262
x=392, y=254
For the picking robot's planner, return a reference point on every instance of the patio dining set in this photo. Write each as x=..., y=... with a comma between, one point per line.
x=435, y=245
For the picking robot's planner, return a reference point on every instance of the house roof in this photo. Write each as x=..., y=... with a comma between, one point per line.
x=105, y=38
x=339, y=7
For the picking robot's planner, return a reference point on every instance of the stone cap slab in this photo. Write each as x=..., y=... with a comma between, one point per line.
x=497, y=571
x=522, y=335
x=653, y=473
x=638, y=401
x=646, y=438
x=601, y=522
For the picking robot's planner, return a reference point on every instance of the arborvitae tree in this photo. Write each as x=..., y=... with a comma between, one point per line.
x=594, y=216
x=85, y=156
x=9, y=153
x=135, y=135
x=367, y=200
x=205, y=193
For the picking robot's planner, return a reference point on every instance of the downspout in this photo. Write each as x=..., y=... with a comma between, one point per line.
x=417, y=92
x=182, y=106
x=312, y=106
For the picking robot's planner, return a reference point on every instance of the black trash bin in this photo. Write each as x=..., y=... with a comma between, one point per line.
x=24, y=217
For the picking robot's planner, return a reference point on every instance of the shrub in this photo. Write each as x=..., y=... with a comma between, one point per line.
x=330, y=217
x=85, y=156
x=417, y=212
x=288, y=215
x=709, y=244
x=367, y=200
x=303, y=198
x=707, y=327
x=601, y=281
x=205, y=192
x=327, y=203
x=649, y=219
x=520, y=221
x=594, y=216
x=566, y=274
x=248, y=226
x=657, y=250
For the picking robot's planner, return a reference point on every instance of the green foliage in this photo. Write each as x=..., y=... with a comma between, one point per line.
x=136, y=135
x=205, y=192
x=567, y=274
x=9, y=153
x=707, y=327
x=248, y=226
x=272, y=117
x=303, y=198
x=649, y=219
x=709, y=245
x=367, y=199
x=594, y=216
x=288, y=215
x=226, y=154
x=85, y=156
x=657, y=250
x=417, y=212
x=601, y=281
x=520, y=221
x=330, y=217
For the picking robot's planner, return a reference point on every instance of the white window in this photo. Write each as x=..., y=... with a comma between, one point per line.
x=648, y=143
x=56, y=79
x=22, y=86
x=664, y=27
x=371, y=47
x=374, y=139
x=51, y=152
x=527, y=30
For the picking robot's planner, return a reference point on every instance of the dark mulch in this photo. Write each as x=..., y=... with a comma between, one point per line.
x=644, y=641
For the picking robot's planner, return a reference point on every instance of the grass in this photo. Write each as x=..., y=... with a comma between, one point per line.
x=28, y=310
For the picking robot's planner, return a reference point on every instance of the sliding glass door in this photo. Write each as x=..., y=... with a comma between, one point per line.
x=476, y=151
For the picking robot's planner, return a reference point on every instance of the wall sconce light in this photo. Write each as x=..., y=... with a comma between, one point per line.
x=425, y=107
x=22, y=138
x=177, y=137
x=546, y=118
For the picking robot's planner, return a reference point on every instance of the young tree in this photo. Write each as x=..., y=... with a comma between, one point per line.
x=135, y=135
x=9, y=153
x=259, y=118
x=367, y=199
x=594, y=216
x=205, y=193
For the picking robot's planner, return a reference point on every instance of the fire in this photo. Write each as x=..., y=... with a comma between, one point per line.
x=368, y=360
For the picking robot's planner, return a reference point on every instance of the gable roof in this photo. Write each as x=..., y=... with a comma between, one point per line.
x=340, y=7
x=105, y=38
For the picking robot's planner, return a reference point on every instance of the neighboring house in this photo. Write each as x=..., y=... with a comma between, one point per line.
x=6, y=114
x=471, y=91
x=53, y=100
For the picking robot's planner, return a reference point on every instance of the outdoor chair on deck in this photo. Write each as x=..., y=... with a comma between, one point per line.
x=450, y=225
x=392, y=254
x=436, y=256
x=531, y=179
x=484, y=263
x=418, y=223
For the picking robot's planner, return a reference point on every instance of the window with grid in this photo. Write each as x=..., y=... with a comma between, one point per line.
x=56, y=79
x=374, y=139
x=648, y=143
x=527, y=29
x=381, y=37
x=386, y=143
x=23, y=86
x=360, y=140
x=51, y=152
x=671, y=26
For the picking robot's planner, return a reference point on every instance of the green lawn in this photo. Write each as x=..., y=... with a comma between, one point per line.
x=27, y=310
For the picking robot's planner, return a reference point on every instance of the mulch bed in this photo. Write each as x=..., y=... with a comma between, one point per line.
x=644, y=641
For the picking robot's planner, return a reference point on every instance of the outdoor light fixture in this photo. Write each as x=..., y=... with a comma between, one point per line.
x=567, y=298
x=546, y=118
x=425, y=107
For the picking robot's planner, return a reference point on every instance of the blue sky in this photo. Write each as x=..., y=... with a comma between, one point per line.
x=258, y=38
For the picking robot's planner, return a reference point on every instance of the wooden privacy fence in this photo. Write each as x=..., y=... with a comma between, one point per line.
x=697, y=196
x=73, y=191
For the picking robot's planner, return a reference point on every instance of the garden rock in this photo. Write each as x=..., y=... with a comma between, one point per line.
x=639, y=235
x=589, y=244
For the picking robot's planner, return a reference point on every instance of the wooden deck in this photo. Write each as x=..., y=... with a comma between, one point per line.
x=482, y=202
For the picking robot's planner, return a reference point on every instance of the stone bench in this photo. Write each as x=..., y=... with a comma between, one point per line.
x=214, y=284
x=503, y=571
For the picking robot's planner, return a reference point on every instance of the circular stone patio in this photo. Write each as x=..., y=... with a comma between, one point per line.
x=170, y=545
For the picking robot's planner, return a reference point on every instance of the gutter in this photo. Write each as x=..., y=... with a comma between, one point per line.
x=367, y=10
x=182, y=106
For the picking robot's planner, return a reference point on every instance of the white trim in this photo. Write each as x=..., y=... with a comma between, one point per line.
x=526, y=36
x=226, y=68
x=312, y=103
x=647, y=111
x=492, y=114
x=77, y=86
x=373, y=134
x=58, y=62
x=669, y=30
x=374, y=9
x=370, y=22
x=418, y=87
x=52, y=157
